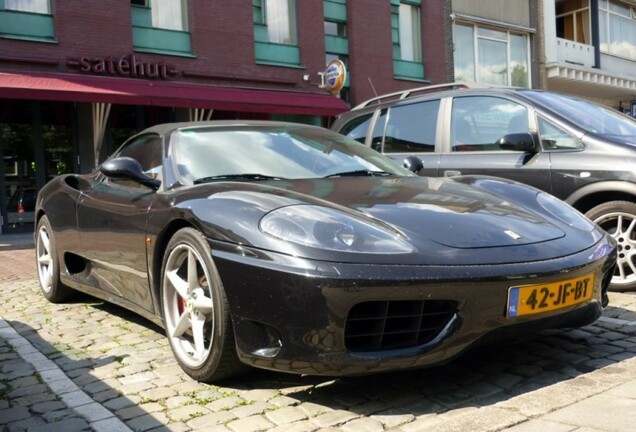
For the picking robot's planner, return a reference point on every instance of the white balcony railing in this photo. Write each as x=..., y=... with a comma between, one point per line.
x=574, y=53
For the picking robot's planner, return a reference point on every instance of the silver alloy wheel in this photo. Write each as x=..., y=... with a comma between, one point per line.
x=188, y=305
x=621, y=226
x=45, y=261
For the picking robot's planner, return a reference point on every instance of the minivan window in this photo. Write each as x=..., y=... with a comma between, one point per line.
x=357, y=128
x=590, y=116
x=478, y=122
x=554, y=137
x=411, y=128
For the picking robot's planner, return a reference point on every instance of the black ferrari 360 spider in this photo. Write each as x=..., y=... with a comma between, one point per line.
x=293, y=248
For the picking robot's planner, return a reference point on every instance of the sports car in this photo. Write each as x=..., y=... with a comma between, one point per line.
x=293, y=248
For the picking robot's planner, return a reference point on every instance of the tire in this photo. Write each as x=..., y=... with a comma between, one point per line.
x=48, y=265
x=195, y=309
x=618, y=218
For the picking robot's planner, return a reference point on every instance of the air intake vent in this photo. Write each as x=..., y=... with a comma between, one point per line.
x=388, y=325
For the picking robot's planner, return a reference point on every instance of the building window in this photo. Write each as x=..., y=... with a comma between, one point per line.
x=35, y=6
x=169, y=14
x=337, y=29
x=491, y=56
x=573, y=21
x=617, y=28
x=336, y=41
x=161, y=26
x=280, y=18
x=410, y=33
x=407, y=39
x=275, y=32
x=27, y=19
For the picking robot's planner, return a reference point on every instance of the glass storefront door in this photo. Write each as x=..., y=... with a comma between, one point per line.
x=36, y=144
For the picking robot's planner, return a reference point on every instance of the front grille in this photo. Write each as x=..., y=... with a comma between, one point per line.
x=388, y=325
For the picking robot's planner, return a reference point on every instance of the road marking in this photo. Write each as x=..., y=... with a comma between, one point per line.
x=100, y=419
x=617, y=321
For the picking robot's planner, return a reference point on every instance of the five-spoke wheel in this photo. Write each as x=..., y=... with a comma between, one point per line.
x=47, y=263
x=195, y=309
x=618, y=218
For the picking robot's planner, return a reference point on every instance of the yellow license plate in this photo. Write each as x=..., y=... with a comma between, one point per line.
x=538, y=298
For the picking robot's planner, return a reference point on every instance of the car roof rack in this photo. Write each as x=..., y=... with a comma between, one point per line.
x=404, y=94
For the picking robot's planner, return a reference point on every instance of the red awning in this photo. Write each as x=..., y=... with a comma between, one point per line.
x=90, y=88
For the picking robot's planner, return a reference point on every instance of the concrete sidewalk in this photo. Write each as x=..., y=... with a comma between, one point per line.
x=117, y=375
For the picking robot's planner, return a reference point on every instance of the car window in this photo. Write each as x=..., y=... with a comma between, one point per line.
x=147, y=151
x=555, y=137
x=357, y=128
x=478, y=122
x=592, y=117
x=206, y=154
x=411, y=128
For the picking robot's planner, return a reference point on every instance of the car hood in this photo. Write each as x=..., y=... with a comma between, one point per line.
x=442, y=211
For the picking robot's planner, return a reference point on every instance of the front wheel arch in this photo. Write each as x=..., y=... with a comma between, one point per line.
x=195, y=309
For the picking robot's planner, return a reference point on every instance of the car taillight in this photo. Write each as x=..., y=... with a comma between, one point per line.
x=20, y=208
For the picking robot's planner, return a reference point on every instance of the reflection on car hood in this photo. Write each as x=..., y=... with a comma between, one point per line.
x=434, y=209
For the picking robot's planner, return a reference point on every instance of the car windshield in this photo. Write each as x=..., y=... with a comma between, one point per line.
x=273, y=153
x=590, y=116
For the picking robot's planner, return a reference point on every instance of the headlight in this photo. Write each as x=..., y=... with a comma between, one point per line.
x=564, y=212
x=324, y=228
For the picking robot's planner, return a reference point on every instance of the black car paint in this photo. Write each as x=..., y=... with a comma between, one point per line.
x=118, y=258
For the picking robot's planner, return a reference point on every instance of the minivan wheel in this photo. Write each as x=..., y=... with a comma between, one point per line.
x=618, y=219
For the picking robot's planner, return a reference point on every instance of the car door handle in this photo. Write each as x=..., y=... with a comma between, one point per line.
x=452, y=173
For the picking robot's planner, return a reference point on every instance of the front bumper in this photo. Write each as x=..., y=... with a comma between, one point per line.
x=293, y=315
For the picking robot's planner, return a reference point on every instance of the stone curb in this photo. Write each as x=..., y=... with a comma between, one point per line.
x=99, y=418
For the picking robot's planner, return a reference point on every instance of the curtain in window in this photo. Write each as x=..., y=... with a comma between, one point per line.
x=39, y=6
x=281, y=21
x=492, y=62
x=463, y=41
x=168, y=14
x=410, y=33
x=622, y=36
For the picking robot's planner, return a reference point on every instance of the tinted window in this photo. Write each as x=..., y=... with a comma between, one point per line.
x=284, y=152
x=357, y=128
x=147, y=151
x=590, y=116
x=554, y=137
x=411, y=128
x=477, y=123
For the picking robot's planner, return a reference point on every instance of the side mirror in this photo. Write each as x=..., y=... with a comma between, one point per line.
x=128, y=168
x=519, y=142
x=413, y=164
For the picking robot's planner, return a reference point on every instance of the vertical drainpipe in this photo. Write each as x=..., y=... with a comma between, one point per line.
x=537, y=17
x=596, y=34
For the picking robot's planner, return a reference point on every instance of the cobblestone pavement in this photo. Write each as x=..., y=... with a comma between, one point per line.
x=94, y=366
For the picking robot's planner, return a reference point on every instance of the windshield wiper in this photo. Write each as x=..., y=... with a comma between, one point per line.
x=359, y=173
x=237, y=177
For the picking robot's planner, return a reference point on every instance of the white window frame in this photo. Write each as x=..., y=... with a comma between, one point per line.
x=605, y=13
x=574, y=14
x=475, y=48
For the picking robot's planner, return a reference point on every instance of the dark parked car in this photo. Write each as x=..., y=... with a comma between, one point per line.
x=294, y=248
x=21, y=206
x=579, y=151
